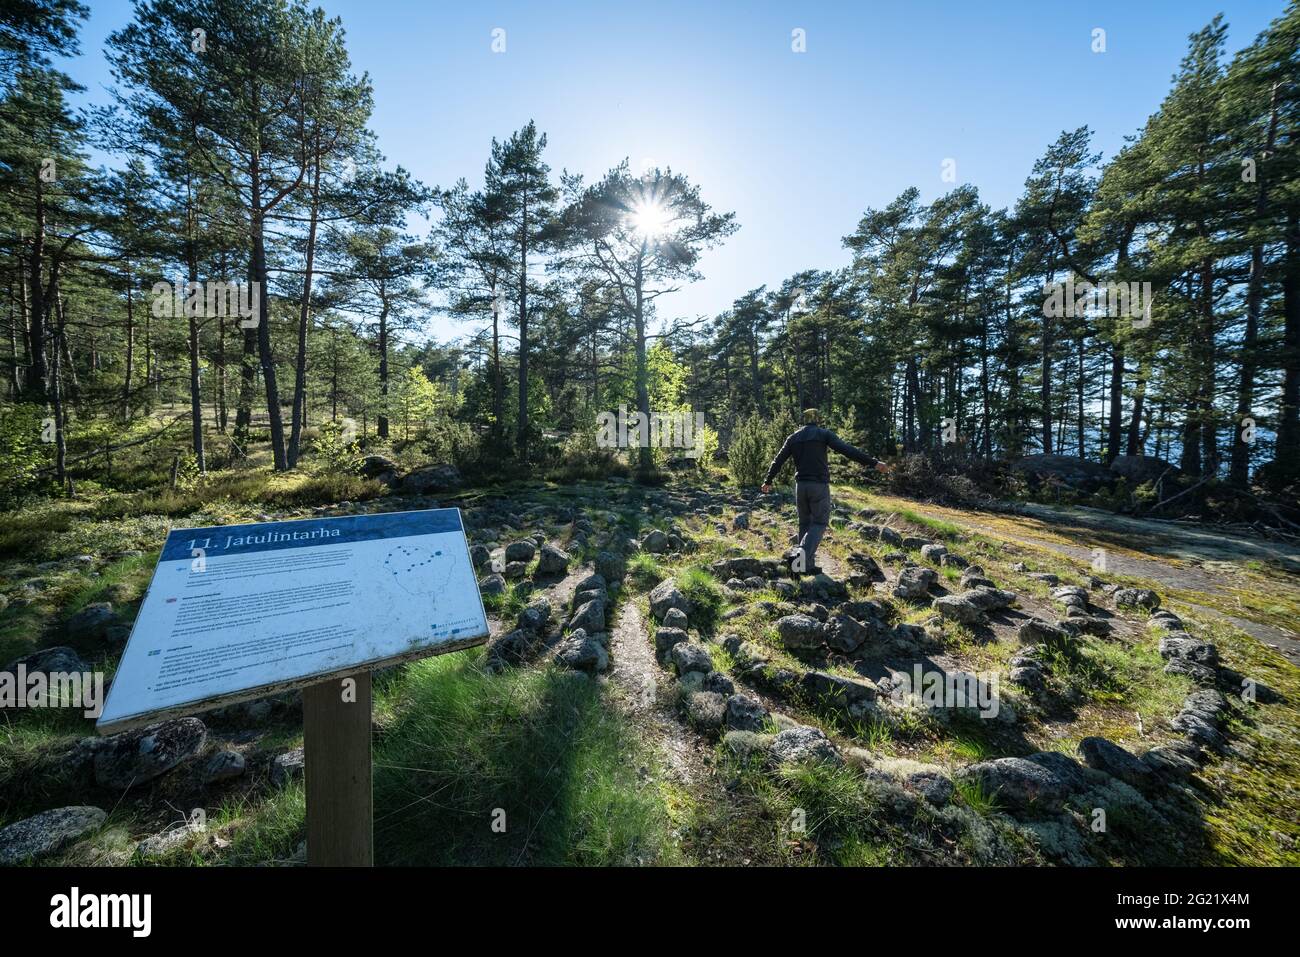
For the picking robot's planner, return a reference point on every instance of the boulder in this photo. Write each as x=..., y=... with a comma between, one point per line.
x=934, y=552
x=914, y=582
x=845, y=634
x=91, y=623
x=492, y=585
x=480, y=555
x=959, y=608
x=223, y=766
x=666, y=638
x=1136, y=598
x=590, y=617
x=801, y=632
x=515, y=570
x=1064, y=470
x=676, y=618
x=521, y=551
x=667, y=595
x=1104, y=755
x=59, y=659
x=1192, y=649
x=1035, y=631
x=552, y=560
x=687, y=656
x=854, y=697
x=706, y=710
x=1201, y=674
x=1197, y=729
x=535, y=617
x=745, y=713
x=1017, y=783
x=655, y=542
x=579, y=652
x=288, y=767
x=741, y=521
x=718, y=681
x=988, y=599
x=431, y=478
x=738, y=568
x=512, y=648
x=804, y=744
x=610, y=565
x=136, y=757
x=1139, y=469
x=378, y=467
x=47, y=833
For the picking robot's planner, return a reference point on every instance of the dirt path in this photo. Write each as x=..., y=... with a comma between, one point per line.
x=636, y=676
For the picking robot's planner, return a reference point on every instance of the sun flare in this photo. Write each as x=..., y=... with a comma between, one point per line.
x=650, y=219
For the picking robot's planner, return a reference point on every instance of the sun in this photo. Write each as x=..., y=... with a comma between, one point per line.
x=650, y=219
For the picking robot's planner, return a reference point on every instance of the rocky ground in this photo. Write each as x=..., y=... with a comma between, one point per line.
x=952, y=689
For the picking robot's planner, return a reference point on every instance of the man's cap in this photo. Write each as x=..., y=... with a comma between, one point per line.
x=810, y=416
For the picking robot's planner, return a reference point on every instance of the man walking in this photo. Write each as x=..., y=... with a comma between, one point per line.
x=812, y=484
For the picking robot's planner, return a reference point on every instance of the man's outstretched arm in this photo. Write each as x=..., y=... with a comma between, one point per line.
x=777, y=462
x=852, y=452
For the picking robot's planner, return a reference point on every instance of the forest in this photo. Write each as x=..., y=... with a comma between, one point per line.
x=226, y=305
x=237, y=159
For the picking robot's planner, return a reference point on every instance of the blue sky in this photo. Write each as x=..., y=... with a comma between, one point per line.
x=798, y=145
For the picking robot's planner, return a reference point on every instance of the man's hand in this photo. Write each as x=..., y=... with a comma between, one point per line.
x=884, y=467
x=765, y=488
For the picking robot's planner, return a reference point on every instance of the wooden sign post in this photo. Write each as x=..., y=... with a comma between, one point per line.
x=336, y=751
x=239, y=612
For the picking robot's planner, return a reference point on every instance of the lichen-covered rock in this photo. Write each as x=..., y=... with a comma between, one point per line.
x=1136, y=598
x=590, y=617
x=745, y=713
x=801, y=632
x=223, y=766
x=1104, y=755
x=676, y=618
x=552, y=560
x=914, y=582
x=688, y=656
x=929, y=780
x=288, y=766
x=748, y=744
x=804, y=744
x=1192, y=649
x=135, y=757
x=521, y=551
x=706, y=710
x=845, y=634
x=666, y=638
x=667, y=595
x=959, y=608
x=47, y=833
x=579, y=652
x=1016, y=782
x=1035, y=631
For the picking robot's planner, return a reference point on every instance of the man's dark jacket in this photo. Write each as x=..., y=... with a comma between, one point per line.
x=808, y=447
